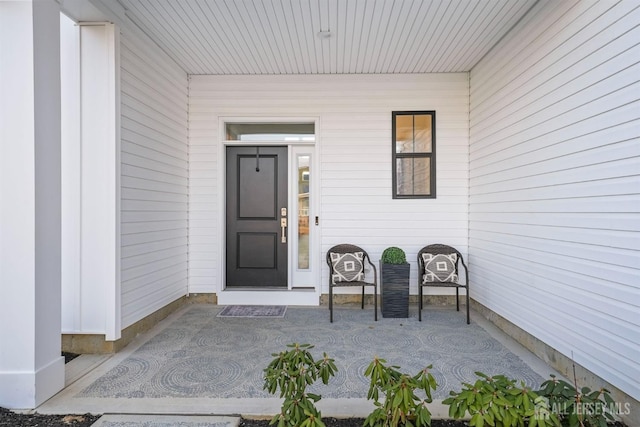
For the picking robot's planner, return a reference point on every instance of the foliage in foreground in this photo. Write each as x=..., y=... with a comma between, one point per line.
x=495, y=401
x=498, y=402
x=401, y=405
x=577, y=408
x=291, y=371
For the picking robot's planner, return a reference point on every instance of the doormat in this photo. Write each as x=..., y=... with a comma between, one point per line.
x=253, y=311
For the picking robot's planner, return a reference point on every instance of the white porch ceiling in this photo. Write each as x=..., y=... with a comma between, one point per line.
x=364, y=36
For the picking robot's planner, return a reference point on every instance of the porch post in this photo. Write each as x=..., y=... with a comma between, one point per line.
x=31, y=368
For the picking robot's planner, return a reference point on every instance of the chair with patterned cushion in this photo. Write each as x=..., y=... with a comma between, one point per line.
x=346, y=268
x=438, y=267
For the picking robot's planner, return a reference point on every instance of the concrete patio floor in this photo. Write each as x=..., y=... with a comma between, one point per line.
x=194, y=362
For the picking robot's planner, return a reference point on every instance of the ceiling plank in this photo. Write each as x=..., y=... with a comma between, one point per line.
x=415, y=37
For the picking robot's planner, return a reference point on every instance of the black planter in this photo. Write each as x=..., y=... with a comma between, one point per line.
x=394, y=290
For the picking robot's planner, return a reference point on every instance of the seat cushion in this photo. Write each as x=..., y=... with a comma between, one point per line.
x=347, y=267
x=440, y=268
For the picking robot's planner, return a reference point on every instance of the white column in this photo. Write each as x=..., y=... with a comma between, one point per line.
x=71, y=176
x=100, y=176
x=31, y=368
x=91, y=180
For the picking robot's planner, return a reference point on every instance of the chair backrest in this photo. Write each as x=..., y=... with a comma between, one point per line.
x=437, y=249
x=345, y=248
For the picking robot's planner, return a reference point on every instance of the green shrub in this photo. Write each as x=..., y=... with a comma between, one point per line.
x=291, y=371
x=496, y=401
x=393, y=255
x=401, y=406
x=584, y=408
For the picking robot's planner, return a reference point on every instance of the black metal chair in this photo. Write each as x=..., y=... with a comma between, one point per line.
x=346, y=268
x=438, y=267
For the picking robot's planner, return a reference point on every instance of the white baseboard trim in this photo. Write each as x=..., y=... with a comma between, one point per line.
x=27, y=390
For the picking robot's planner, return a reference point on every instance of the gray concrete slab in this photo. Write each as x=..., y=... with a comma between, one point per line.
x=178, y=368
x=153, y=420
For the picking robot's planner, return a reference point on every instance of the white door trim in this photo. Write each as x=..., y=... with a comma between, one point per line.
x=292, y=296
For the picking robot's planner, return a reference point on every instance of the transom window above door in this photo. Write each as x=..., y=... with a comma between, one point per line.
x=270, y=132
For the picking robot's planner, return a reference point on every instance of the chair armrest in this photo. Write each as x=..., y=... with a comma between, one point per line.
x=466, y=271
x=375, y=270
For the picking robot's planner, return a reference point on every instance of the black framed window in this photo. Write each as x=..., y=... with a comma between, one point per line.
x=414, y=154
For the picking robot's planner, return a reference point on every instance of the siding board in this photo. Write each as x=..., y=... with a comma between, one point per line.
x=150, y=237
x=156, y=155
x=141, y=227
x=591, y=220
x=148, y=163
x=150, y=174
x=149, y=143
x=133, y=250
x=146, y=184
x=147, y=257
x=555, y=183
x=154, y=180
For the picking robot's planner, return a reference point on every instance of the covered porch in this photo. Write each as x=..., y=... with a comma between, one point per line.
x=114, y=207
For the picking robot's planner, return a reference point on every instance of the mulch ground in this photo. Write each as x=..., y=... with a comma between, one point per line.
x=359, y=422
x=351, y=422
x=12, y=419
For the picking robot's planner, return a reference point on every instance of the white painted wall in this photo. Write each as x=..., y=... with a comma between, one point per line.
x=154, y=181
x=31, y=368
x=355, y=160
x=554, y=183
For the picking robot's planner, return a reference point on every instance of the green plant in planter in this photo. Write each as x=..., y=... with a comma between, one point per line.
x=393, y=255
x=291, y=371
x=394, y=283
x=583, y=408
x=498, y=402
x=401, y=406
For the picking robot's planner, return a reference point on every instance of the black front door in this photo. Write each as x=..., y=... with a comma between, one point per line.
x=256, y=199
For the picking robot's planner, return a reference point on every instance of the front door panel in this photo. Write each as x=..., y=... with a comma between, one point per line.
x=257, y=194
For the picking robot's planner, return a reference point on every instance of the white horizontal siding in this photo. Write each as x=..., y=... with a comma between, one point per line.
x=154, y=180
x=555, y=183
x=355, y=159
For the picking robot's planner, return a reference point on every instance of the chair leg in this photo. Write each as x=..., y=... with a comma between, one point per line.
x=362, y=300
x=330, y=304
x=375, y=303
x=457, y=299
x=467, y=306
x=419, y=303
